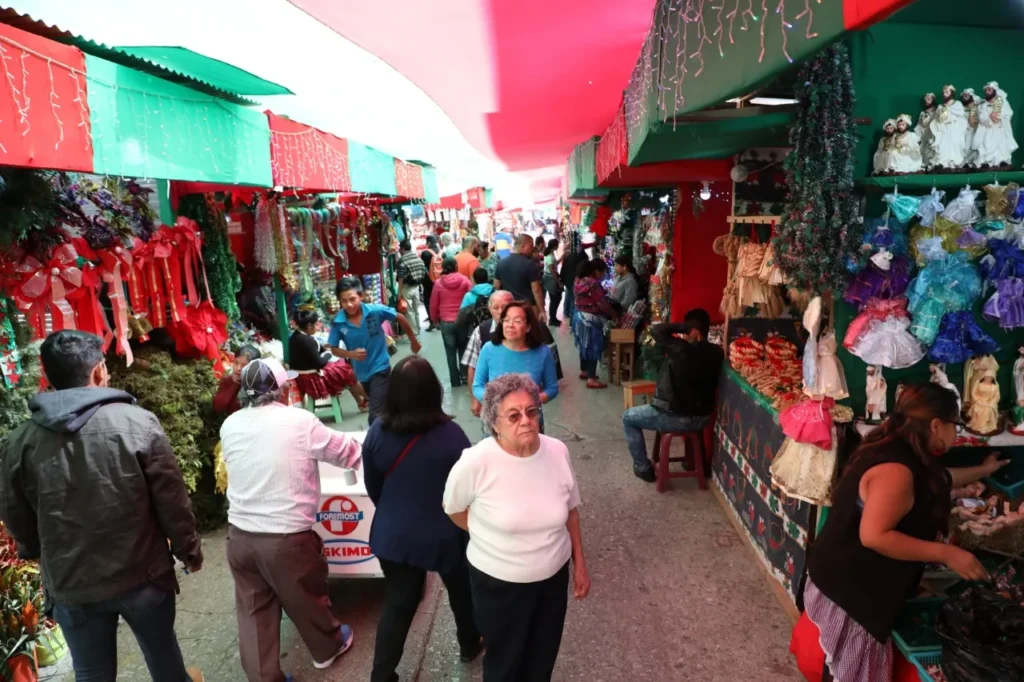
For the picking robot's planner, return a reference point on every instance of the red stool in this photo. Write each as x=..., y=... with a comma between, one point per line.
x=696, y=453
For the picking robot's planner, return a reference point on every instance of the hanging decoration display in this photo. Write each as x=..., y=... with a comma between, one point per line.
x=221, y=267
x=820, y=231
x=301, y=156
x=10, y=356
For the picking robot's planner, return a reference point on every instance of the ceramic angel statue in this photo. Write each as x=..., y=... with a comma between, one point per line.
x=949, y=132
x=994, y=143
x=1018, y=385
x=939, y=377
x=970, y=102
x=886, y=145
x=875, y=391
x=924, y=125
x=983, y=414
x=906, y=156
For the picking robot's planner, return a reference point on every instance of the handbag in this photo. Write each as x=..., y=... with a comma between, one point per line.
x=405, y=451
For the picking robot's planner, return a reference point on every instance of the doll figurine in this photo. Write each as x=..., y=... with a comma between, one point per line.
x=949, y=132
x=875, y=391
x=982, y=395
x=1018, y=385
x=938, y=372
x=923, y=129
x=993, y=143
x=970, y=103
x=886, y=145
x=906, y=156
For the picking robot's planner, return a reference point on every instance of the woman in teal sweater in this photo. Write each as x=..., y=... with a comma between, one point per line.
x=517, y=347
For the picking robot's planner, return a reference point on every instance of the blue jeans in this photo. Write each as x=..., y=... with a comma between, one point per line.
x=589, y=367
x=376, y=388
x=91, y=634
x=636, y=419
x=569, y=305
x=449, y=335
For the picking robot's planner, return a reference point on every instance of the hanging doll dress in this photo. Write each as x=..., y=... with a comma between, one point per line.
x=875, y=281
x=880, y=335
x=960, y=338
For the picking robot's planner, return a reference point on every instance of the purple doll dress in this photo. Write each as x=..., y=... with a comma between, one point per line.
x=1006, y=305
x=874, y=282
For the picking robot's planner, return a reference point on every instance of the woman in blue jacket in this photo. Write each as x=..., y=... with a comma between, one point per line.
x=407, y=455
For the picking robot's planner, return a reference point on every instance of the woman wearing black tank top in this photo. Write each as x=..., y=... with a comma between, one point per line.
x=888, y=511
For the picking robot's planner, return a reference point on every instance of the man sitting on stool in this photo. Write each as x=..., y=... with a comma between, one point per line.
x=685, y=395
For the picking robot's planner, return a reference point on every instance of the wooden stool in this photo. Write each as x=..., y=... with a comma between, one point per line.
x=622, y=343
x=330, y=407
x=639, y=392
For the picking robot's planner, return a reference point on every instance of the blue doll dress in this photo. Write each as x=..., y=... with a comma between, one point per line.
x=885, y=233
x=931, y=206
x=942, y=286
x=1004, y=260
x=960, y=338
x=904, y=207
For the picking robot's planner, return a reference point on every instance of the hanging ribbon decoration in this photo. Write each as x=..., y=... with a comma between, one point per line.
x=164, y=261
x=114, y=262
x=46, y=285
x=86, y=302
x=190, y=245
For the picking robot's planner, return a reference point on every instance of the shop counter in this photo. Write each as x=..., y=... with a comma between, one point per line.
x=344, y=520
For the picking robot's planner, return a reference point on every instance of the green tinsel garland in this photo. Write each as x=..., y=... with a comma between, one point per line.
x=14, y=401
x=221, y=266
x=821, y=225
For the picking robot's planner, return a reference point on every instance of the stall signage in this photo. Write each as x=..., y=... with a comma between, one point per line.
x=339, y=515
x=346, y=551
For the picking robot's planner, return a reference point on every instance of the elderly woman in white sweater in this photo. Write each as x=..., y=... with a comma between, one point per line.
x=516, y=493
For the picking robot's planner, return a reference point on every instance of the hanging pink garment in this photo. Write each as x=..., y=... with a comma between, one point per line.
x=809, y=422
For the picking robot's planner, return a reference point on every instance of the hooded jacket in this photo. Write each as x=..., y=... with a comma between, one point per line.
x=476, y=293
x=90, y=487
x=447, y=297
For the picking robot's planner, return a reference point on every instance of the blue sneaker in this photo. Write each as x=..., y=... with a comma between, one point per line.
x=347, y=636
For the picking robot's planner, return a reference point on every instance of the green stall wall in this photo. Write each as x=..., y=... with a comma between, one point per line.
x=144, y=126
x=894, y=65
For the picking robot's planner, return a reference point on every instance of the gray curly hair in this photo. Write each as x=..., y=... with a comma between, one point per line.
x=499, y=389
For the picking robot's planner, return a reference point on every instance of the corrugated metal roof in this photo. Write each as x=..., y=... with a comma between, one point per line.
x=192, y=78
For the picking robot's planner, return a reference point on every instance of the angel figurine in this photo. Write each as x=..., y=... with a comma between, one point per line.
x=939, y=377
x=970, y=102
x=923, y=128
x=906, y=156
x=982, y=395
x=886, y=145
x=875, y=390
x=994, y=143
x=949, y=132
x=1018, y=385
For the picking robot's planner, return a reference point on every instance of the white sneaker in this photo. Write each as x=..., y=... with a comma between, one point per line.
x=347, y=636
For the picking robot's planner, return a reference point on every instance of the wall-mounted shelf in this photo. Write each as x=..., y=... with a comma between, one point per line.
x=924, y=182
x=755, y=219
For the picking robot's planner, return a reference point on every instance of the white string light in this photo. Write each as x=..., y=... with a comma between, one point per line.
x=54, y=106
x=22, y=106
x=83, y=120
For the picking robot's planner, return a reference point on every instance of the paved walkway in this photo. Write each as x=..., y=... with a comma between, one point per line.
x=676, y=593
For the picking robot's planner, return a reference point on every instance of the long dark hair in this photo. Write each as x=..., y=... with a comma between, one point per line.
x=626, y=262
x=534, y=337
x=909, y=424
x=551, y=247
x=414, y=406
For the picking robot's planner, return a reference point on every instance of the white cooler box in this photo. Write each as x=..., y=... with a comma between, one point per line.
x=343, y=522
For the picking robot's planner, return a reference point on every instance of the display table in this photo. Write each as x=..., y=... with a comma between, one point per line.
x=344, y=520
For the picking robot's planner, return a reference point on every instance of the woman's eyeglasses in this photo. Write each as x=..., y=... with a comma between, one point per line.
x=532, y=414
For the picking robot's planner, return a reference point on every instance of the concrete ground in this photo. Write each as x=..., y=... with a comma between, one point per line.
x=676, y=595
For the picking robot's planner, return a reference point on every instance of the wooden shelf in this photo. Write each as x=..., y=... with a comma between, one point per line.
x=754, y=219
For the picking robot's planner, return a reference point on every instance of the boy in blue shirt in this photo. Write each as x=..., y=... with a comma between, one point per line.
x=358, y=326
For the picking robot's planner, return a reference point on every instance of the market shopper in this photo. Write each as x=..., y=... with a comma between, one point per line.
x=551, y=282
x=91, y=488
x=225, y=400
x=594, y=309
x=488, y=259
x=411, y=275
x=482, y=289
x=272, y=453
x=567, y=273
x=517, y=347
x=520, y=274
x=319, y=377
x=432, y=262
x=888, y=509
x=518, y=553
x=407, y=456
x=449, y=247
x=481, y=335
x=360, y=327
x=467, y=259
x=449, y=291
x=626, y=288
x=684, y=398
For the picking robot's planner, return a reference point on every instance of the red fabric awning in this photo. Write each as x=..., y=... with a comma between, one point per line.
x=408, y=180
x=302, y=156
x=44, y=111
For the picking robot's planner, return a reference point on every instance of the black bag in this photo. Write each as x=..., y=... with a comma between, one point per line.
x=983, y=637
x=469, y=319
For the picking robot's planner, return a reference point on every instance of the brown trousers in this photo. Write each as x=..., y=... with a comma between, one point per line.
x=272, y=572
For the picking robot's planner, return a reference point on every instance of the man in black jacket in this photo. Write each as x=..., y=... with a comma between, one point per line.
x=685, y=395
x=89, y=487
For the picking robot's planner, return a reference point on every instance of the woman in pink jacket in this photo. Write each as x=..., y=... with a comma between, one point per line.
x=449, y=290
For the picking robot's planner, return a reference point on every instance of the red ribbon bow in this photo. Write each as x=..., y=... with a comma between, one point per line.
x=117, y=262
x=49, y=284
x=190, y=243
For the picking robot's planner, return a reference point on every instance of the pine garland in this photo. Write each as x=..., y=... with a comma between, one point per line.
x=821, y=227
x=14, y=401
x=221, y=266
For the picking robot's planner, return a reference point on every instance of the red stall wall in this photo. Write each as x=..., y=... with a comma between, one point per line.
x=700, y=274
